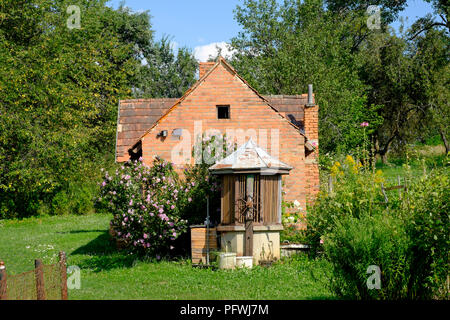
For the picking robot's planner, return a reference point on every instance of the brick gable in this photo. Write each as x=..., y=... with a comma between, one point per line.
x=250, y=116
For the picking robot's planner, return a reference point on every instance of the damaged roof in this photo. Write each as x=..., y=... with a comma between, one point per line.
x=291, y=106
x=134, y=118
x=137, y=116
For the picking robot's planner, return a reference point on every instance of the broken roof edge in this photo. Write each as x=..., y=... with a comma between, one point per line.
x=188, y=91
x=145, y=100
x=219, y=60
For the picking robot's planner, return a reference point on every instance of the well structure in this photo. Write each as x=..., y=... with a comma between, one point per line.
x=251, y=202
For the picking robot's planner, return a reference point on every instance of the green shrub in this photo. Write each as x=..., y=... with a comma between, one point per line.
x=81, y=198
x=60, y=203
x=406, y=237
x=203, y=184
x=146, y=203
x=292, y=234
x=356, y=192
x=152, y=206
x=357, y=243
x=428, y=224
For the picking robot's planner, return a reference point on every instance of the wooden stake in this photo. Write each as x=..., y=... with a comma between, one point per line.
x=39, y=272
x=62, y=262
x=384, y=193
x=236, y=200
x=3, y=292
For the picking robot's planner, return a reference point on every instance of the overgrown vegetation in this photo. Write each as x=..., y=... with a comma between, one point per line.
x=380, y=93
x=110, y=274
x=405, y=233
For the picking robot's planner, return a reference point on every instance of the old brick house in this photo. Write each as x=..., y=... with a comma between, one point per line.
x=222, y=101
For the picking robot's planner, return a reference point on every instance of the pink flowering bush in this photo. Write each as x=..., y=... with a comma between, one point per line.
x=147, y=203
x=152, y=206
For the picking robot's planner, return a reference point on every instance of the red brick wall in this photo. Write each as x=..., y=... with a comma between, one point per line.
x=311, y=122
x=204, y=67
x=248, y=112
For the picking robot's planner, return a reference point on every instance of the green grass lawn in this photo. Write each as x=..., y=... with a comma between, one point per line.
x=425, y=159
x=109, y=274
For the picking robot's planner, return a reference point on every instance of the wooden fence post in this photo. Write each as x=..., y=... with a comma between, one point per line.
x=383, y=190
x=40, y=286
x=330, y=184
x=62, y=263
x=3, y=292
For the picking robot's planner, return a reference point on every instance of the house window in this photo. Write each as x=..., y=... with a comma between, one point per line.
x=223, y=112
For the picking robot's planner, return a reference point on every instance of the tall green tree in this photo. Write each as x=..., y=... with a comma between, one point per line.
x=409, y=78
x=389, y=9
x=59, y=89
x=164, y=72
x=432, y=92
x=283, y=48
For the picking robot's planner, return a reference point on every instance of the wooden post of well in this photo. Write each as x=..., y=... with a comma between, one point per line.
x=248, y=220
x=63, y=270
x=3, y=292
x=237, y=210
x=39, y=272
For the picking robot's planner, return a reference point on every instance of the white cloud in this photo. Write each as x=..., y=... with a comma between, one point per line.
x=202, y=53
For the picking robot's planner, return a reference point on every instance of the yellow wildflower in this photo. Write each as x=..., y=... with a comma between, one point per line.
x=379, y=176
x=335, y=170
x=349, y=160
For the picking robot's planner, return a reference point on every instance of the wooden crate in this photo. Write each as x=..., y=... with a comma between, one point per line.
x=198, y=243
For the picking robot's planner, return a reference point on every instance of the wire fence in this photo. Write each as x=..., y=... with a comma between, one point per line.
x=45, y=282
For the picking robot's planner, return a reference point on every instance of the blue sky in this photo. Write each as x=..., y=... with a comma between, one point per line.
x=203, y=24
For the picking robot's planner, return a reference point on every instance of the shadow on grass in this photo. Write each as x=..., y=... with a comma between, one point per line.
x=79, y=231
x=101, y=254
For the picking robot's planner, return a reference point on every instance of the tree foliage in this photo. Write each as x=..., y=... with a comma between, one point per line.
x=408, y=79
x=164, y=73
x=59, y=90
x=396, y=83
x=284, y=48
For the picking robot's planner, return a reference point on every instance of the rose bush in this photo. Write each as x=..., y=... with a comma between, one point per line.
x=152, y=205
x=146, y=203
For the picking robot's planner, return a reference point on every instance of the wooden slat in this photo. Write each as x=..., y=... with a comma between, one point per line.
x=227, y=199
x=261, y=196
x=248, y=238
x=198, y=243
x=236, y=197
x=270, y=198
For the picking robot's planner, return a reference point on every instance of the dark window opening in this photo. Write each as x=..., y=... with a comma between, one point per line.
x=223, y=112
